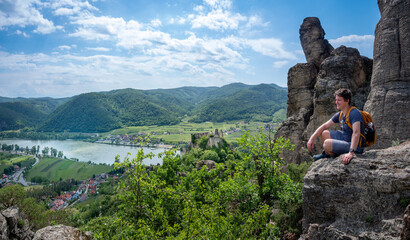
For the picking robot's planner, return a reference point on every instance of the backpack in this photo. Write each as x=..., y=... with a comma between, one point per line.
x=370, y=135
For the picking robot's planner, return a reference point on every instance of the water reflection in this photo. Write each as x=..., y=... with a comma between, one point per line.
x=84, y=151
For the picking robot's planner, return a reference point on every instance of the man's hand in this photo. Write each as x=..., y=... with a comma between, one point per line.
x=347, y=158
x=310, y=144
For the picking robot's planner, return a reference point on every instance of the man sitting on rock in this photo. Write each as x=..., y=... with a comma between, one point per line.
x=346, y=140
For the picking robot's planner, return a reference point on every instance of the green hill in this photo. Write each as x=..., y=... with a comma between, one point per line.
x=100, y=112
x=245, y=103
x=16, y=115
x=104, y=111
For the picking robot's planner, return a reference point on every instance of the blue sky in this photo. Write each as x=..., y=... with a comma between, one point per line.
x=67, y=47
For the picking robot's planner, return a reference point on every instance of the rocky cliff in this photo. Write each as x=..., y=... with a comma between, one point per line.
x=389, y=99
x=311, y=86
x=363, y=200
x=367, y=198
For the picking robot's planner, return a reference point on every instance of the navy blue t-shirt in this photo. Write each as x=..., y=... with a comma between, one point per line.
x=354, y=116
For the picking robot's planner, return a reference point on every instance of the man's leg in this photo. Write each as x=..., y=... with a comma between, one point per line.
x=328, y=147
x=327, y=141
x=325, y=135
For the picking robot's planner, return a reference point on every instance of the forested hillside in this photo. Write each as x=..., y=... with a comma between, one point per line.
x=242, y=102
x=16, y=113
x=104, y=111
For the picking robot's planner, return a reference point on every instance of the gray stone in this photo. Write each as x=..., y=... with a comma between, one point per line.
x=208, y=163
x=61, y=232
x=16, y=224
x=4, y=229
x=360, y=200
x=389, y=100
x=315, y=46
x=405, y=233
x=301, y=82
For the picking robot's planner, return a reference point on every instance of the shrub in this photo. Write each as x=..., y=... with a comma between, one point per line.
x=210, y=155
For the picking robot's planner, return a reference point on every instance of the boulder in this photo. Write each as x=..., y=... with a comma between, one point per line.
x=389, y=100
x=208, y=163
x=405, y=234
x=314, y=44
x=61, y=232
x=362, y=200
x=14, y=225
x=4, y=229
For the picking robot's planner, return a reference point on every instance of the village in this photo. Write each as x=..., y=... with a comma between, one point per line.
x=87, y=188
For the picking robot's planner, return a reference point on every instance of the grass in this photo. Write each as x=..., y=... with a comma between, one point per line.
x=9, y=159
x=55, y=168
x=33, y=187
x=181, y=132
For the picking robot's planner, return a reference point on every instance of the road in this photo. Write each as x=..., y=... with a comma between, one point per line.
x=18, y=176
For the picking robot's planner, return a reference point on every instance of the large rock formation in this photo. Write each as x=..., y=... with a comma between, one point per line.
x=344, y=68
x=363, y=200
x=314, y=44
x=61, y=232
x=389, y=99
x=312, y=85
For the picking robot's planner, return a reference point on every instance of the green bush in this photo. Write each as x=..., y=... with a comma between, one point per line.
x=210, y=155
x=203, y=142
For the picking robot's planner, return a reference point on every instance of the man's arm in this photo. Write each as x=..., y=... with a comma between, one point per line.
x=354, y=142
x=319, y=131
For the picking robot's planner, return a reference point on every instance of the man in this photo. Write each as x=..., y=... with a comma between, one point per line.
x=346, y=140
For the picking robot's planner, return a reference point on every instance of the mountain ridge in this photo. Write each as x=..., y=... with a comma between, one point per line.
x=107, y=110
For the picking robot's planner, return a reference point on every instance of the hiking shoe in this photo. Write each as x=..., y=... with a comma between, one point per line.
x=320, y=156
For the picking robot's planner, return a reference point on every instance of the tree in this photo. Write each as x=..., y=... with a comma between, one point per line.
x=11, y=195
x=16, y=147
x=38, y=149
x=33, y=150
x=45, y=151
x=262, y=159
x=60, y=154
x=53, y=152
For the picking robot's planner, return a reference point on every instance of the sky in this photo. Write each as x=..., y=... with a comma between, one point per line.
x=62, y=48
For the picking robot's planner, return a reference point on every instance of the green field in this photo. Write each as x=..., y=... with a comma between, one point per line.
x=54, y=169
x=9, y=159
x=181, y=132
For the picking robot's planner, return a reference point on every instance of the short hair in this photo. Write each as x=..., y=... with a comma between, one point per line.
x=345, y=93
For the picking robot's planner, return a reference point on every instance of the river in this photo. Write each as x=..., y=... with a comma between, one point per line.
x=85, y=151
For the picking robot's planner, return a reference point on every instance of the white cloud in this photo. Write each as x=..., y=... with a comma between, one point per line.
x=256, y=21
x=64, y=47
x=271, y=47
x=102, y=49
x=280, y=64
x=218, y=20
x=345, y=40
x=18, y=32
x=218, y=16
x=156, y=23
x=71, y=7
x=24, y=13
